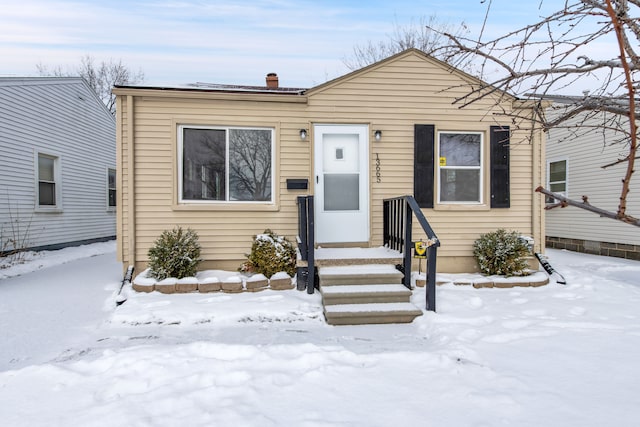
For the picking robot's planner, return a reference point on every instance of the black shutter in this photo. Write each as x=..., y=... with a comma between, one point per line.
x=423, y=149
x=499, y=158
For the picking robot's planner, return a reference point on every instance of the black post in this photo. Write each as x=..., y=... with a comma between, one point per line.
x=408, y=223
x=431, y=277
x=393, y=222
x=302, y=225
x=399, y=222
x=302, y=272
x=385, y=223
x=311, y=242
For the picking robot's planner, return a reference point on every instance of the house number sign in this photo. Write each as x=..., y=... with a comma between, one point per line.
x=378, y=179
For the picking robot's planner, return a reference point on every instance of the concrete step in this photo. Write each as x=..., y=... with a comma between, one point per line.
x=365, y=294
x=359, y=274
x=371, y=314
x=356, y=256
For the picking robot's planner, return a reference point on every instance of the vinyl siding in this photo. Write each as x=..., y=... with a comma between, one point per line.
x=64, y=118
x=392, y=97
x=224, y=234
x=585, y=157
x=413, y=91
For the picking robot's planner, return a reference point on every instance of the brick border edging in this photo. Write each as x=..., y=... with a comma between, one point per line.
x=234, y=286
x=536, y=279
x=506, y=284
x=594, y=247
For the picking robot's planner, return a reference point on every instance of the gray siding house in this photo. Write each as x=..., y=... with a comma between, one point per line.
x=574, y=168
x=57, y=164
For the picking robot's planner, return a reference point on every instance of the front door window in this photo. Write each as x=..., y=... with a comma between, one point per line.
x=341, y=172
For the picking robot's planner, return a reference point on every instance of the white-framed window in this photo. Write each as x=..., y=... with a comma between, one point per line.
x=225, y=164
x=48, y=195
x=111, y=188
x=460, y=167
x=557, y=172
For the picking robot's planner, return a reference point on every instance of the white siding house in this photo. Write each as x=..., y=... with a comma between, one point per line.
x=574, y=167
x=57, y=164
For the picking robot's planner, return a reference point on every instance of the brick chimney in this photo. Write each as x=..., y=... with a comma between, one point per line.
x=272, y=81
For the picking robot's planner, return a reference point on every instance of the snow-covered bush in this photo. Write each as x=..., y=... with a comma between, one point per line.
x=270, y=254
x=175, y=253
x=501, y=252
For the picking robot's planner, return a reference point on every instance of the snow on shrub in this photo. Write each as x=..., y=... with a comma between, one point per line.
x=501, y=252
x=175, y=253
x=270, y=254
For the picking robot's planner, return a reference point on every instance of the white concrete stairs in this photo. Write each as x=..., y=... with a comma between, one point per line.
x=364, y=294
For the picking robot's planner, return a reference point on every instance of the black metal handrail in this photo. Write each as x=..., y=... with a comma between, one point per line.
x=306, y=243
x=397, y=235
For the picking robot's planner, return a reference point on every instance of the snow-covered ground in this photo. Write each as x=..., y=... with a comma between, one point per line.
x=549, y=356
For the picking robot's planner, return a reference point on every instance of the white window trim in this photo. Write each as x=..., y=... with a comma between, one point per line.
x=565, y=193
x=57, y=175
x=480, y=168
x=180, y=137
x=111, y=208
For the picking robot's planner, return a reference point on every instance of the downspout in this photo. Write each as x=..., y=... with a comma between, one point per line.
x=131, y=211
x=119, y=174
x=538, y=212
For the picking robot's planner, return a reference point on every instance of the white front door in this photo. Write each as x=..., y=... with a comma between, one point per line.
x=341, y=183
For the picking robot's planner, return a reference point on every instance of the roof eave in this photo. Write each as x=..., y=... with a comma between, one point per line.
x=173, y=92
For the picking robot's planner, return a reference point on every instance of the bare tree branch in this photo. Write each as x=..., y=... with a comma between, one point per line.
x=404, y=37
x=553, y=54
x=101, y=77
x=565, y=201
x=617, y=162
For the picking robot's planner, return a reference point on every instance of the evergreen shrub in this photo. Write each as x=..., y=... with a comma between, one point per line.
x=176, y=253
x=501, y=252
x=270, y=254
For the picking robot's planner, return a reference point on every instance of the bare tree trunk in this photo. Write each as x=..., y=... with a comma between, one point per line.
x=633, y=130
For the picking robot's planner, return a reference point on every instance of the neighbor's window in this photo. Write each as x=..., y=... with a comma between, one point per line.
x=557, y=179
x=460, y=166
x=225, y=164
x=111, y=188
x=47, y=185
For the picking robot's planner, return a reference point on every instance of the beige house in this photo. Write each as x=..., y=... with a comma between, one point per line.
x=230, y=161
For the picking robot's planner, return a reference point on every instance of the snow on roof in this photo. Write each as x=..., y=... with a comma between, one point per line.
x=217, y=87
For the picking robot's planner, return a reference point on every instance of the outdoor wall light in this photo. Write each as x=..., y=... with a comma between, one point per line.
x=303, y=134
x=377, y=135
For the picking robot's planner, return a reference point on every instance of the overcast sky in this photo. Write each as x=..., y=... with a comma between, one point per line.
x=235, y=42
